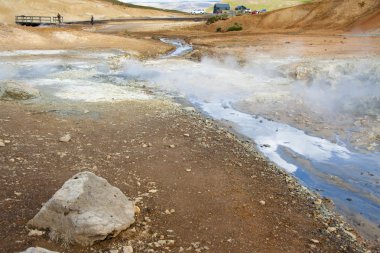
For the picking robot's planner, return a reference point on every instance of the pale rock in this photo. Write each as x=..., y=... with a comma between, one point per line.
x=314, y=241
x=350, y=234
x=86, y=209
x=262, y=202
x=11, y=90
x=188, y=170
x=318, y=202
x=152, y=190
x=2, y=144
x=127, y=249
x=36, y=232
x=65, y=138
x=114, y=251
x=186, y=135
x=38, y=250
x=189, y=109
x=331, y=229
x=172, y=146
x=137, y=210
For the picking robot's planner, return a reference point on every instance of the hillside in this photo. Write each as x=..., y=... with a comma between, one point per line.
x=75, y=9
x=324, y=14
x=264, y=4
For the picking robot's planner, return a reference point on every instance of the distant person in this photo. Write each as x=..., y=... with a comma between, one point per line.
x=92, y=20
x=59, y=18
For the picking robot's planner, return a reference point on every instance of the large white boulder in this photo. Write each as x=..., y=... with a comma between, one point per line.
x=86, y=209
x=38, y=250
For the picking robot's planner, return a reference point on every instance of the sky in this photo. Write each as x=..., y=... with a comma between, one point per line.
x=182, y=5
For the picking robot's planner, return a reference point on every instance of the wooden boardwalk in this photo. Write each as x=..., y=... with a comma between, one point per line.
x=37, y=20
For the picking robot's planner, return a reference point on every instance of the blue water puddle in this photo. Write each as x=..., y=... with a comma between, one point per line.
x=350, y=179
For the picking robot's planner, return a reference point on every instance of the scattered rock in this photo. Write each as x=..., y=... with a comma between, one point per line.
x=188, y=170
x=186, y=135
x=262, y=202
x=172, y=146
x=153, y=191
x=350, y=234
x=314, y=241
x=331, y=229
x=38, y=250
x=65, y=138
x=114, y=251
x=2, y=144
x=189, y=109
x=127, y=249
x=36, y=232
x=318, y=202
x=137, y=210
x=86, y=209
x=11, y=90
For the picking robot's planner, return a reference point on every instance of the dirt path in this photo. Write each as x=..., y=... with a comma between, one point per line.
x=209, y=185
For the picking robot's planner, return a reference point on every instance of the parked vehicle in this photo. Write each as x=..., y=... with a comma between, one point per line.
x=198, y=12
x=255, y=12
x=247, y=11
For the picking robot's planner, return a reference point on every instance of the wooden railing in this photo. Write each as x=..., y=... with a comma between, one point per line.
x=37, y=20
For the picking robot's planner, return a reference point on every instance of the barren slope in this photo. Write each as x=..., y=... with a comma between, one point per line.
x=73, y=9
x=325, y=14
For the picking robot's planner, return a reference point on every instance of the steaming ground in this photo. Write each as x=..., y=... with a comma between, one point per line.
x=335, y=103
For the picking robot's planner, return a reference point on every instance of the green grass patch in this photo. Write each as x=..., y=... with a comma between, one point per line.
x=216, y=18
x=235, y=27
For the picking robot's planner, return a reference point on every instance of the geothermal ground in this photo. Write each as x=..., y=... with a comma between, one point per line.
x=227, y=142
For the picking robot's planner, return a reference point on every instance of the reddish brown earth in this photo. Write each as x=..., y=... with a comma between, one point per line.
x=213, y=182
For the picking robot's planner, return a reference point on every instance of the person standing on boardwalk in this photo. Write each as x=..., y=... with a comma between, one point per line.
x=92, y=20
x=59, y=18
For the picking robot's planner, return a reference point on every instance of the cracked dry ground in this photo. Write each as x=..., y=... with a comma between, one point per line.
x=201, y=195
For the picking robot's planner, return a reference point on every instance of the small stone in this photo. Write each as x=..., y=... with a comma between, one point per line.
x=114, y=251
x=181, y=249
x=127, y=249
x=172, y=211
x=186, y=135
x=86, y=111
x=152, y=190
x=167, y=211
x=18, y=193
x=2, y=144
x=65, y=138
x=189, y=109
x=147, y=219
x=150, y=144
x=170, y=242
x=188, y=170
x=262, y=202
x=331, y=229
x=314, y=241
x=318, y=202
x=172, y=146
x=137, y=210
x=36, y=232
x=7, y=141
x=350, y=234
x=144, y=145
x=161, y=242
